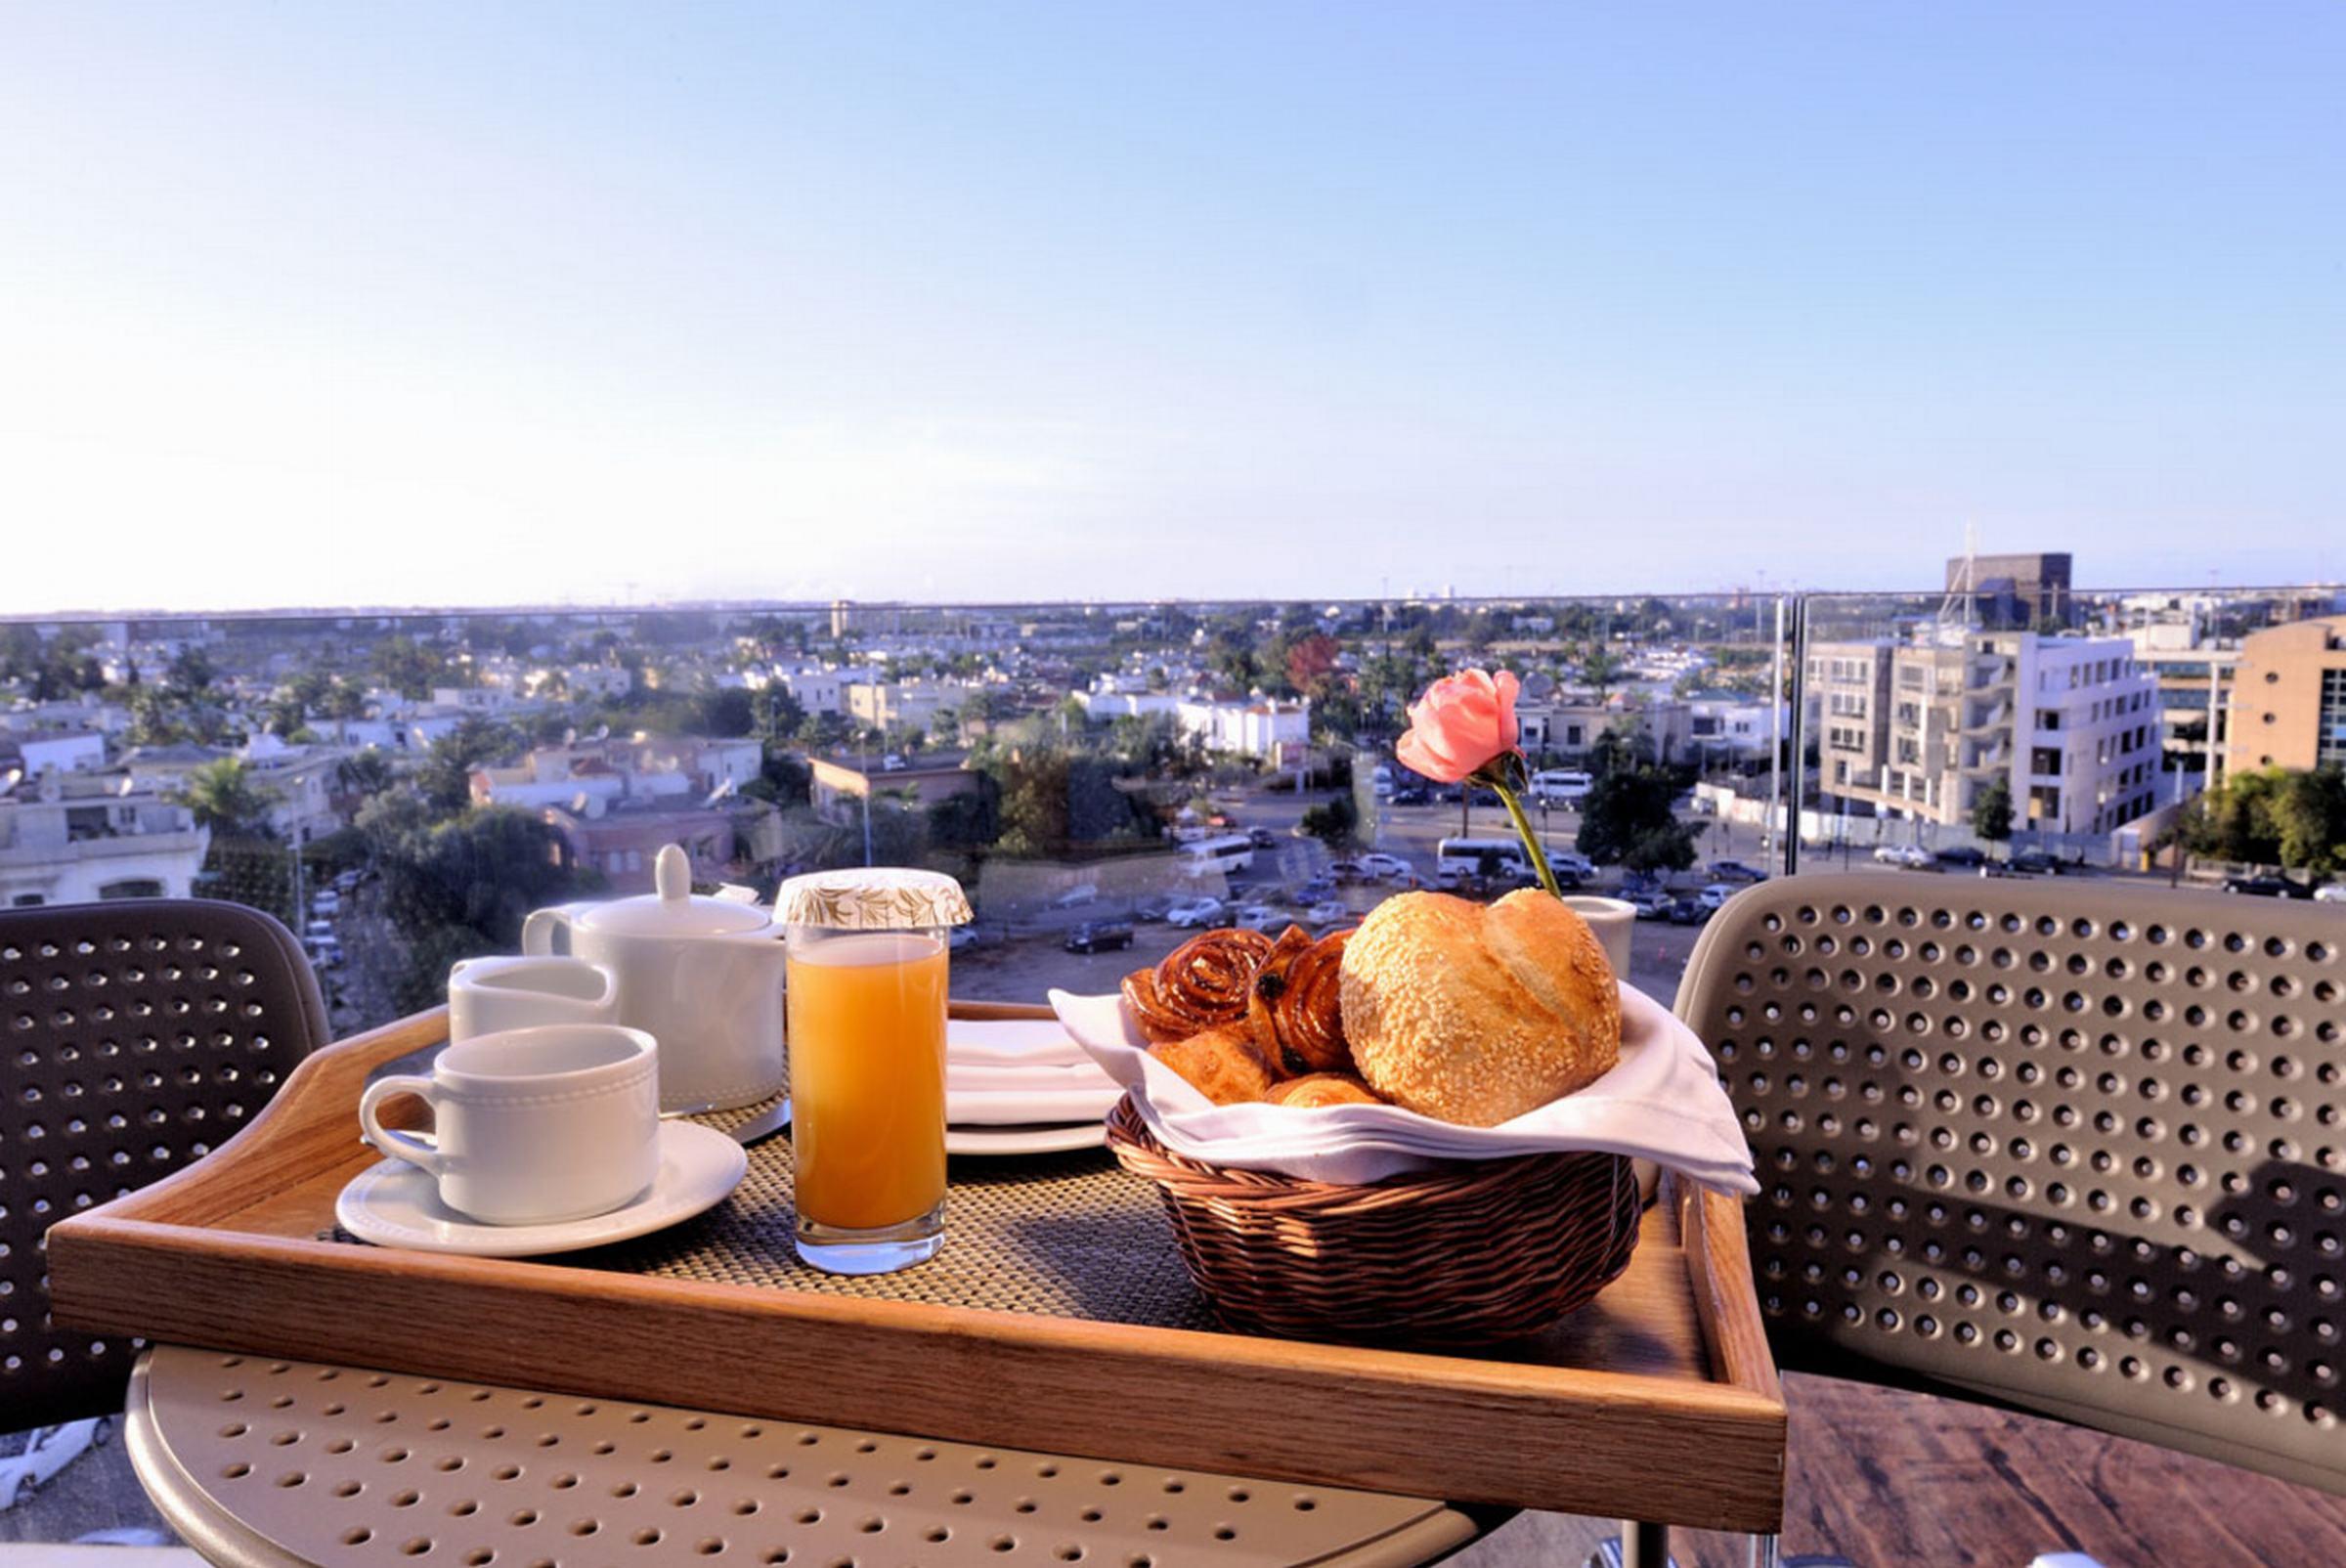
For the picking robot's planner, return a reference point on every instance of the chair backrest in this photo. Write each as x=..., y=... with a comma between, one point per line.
x=2075, y=1146
x=138, y=1035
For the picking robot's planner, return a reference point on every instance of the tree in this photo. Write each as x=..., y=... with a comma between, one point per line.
x=445, y=777
x=1991, y=812
x=189, y=676
x=1627, y=820
x=2276, y=817
x=225, y=797
x=724, y=712
x=408, y=667
x=459, y=887
x=1334, y=822
x=363, y=774
x=1602, y=669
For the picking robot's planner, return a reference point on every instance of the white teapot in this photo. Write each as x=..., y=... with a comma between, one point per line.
x=702, y=975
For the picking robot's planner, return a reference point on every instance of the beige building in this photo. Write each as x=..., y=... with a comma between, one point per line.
x=2288, y=698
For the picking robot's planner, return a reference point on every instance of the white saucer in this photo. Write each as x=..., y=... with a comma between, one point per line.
x=396, y=1205
x=1026, y=1139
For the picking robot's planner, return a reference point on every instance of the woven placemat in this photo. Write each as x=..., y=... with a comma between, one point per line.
x=1064, y=1236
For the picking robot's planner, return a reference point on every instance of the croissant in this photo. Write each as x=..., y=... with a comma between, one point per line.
x=1309, y=1013
x=1315, y=1090
x=1221, y=1063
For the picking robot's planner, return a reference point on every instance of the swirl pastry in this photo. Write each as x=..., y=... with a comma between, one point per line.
x=1157, y=1020
x=1207, y=979
x=1269, y=984
x=1308, y=1012
x=1221, y=1063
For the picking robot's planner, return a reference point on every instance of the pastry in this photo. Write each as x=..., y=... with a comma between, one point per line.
x=1209, y=979
x=1221, y=1063
x=1315, y=1089
x=1157, y=1020
x=1475, y=1016
x=1309, y=1012
x=1269, y=984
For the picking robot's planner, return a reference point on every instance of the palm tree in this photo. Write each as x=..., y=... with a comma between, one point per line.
x=362, y=773
x=225, y=797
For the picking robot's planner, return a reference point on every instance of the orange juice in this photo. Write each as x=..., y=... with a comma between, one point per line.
x=867, y=1078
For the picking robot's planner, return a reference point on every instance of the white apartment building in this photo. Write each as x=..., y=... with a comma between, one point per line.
x=1916, y=730
x=78, y=839
x=1264, y=728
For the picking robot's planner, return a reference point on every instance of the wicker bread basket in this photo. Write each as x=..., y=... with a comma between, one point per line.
x=1472, y=1253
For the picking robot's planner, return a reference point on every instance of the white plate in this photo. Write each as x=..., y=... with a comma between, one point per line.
x=1025, y=1140
x=396, y=1205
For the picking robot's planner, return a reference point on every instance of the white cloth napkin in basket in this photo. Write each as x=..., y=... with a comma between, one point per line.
x=1662, y=1102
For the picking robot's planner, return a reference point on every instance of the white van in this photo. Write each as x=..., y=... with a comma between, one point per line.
x=1560, y=786
x=1227, y=854
x=1465, y=857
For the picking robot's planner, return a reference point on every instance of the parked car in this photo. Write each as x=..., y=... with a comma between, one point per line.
x=1328, y=912
x=40, y=1451
x=2036, y=863
x=1716, y=894
x=2330, y=893
x=346, y=882
x=1344, y=871
x=1962, y=854
x=1317, y=891
x=1571, y=862
x=2268, y=888
x=1262, y=838
x=1188, y=912
x=1260, y=917
x=1413, y=795
x=1913, y=856
x=319, y=931
x=1381, y=866
x=1690, y=911
x=1450, y=794
x=1154, y=907
x=1652, y=904
x=1736, y=871
x=961, y=937
x=1075, y=897
x=325, y=901
x=1097, y=937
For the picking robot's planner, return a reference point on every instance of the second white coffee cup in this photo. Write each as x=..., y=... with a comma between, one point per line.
x=533, y=1126
x=1614, y=920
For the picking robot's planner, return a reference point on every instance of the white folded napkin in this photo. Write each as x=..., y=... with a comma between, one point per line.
x=995, y=1108
x=1662, y=1102
x=1005, y=1071
x=1012, y=1043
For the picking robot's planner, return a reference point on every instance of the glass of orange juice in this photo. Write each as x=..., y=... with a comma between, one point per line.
x=867, y=1005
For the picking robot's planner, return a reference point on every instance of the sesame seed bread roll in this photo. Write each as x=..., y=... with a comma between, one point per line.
x=1475, y=1016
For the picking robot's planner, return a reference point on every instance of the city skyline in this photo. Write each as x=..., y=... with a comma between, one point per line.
x=593, y=305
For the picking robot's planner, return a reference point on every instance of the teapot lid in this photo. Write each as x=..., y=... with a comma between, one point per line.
x=675, y=909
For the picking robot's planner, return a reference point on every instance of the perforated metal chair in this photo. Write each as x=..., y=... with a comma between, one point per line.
x=140, y=1035
x=2077, y=1148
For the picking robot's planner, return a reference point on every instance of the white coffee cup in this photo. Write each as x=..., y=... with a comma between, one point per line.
x=533, y=1126
x=490, y=995
x=1614, y=920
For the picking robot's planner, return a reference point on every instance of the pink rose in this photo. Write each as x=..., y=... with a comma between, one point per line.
x=1461, y=723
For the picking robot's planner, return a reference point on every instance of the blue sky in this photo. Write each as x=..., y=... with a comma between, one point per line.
x=466, y=304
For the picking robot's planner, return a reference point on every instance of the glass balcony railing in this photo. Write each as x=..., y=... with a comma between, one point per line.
x=401, y=787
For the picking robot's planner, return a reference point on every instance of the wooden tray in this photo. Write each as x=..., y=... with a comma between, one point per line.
x=1657, y=1402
